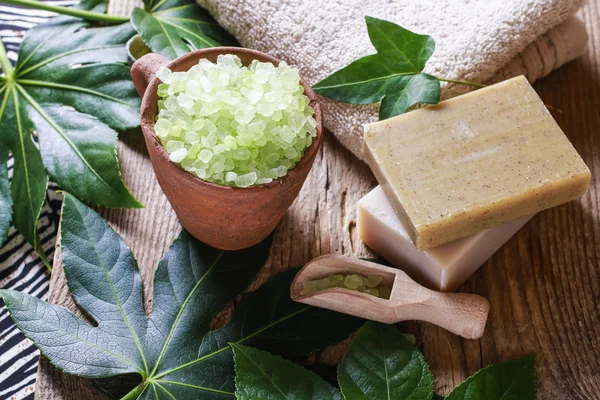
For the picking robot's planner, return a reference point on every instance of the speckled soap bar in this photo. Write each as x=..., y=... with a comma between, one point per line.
x=473, y=162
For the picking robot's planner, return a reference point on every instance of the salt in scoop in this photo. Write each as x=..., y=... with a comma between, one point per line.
x=460, y=313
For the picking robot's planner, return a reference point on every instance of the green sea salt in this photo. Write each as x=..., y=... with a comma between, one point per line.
x=371, y=284
x=353, y=282
x=234, y=125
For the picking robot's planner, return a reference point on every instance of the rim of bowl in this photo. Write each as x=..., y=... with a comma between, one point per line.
x=263, y=57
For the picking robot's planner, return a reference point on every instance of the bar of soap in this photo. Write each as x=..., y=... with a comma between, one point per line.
x=441, y=268
x=473, y=162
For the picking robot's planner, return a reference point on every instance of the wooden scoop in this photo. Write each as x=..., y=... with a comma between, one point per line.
x=460, y=313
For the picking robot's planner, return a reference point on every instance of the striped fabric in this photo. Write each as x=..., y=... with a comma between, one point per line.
x=20, y=267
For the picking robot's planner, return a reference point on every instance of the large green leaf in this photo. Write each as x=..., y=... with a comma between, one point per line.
x=264, y=376
x=393, y=76
x=267, y=319
x=175, y=27
x=381, y=363
x=71, y=88
x=512, y=380
x=173, y=349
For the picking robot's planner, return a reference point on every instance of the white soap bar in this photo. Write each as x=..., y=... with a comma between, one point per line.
x=441, y=268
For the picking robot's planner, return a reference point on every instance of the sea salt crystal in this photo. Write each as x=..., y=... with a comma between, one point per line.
x=201, y=173
x=246, y=180
x=230, y=176
x=205, y=155
x=162, y=127
x=178, y=155
x=164, y=74
x=174, y=145
x=192, y=137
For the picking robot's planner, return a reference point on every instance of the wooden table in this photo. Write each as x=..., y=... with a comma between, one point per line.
x=543, y=285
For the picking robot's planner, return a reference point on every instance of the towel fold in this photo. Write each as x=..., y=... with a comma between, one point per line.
x=476, y=40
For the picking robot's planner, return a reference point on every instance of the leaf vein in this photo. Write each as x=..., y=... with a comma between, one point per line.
x=171, y=9
x=33, y=82
x=196, y=387
x=22, y=148
x=364, y=81
x=513, y=383
x=264, y=373
x=201, y=38
x=165, y=390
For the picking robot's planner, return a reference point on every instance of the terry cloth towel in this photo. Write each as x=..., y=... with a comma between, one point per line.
x=476, y=40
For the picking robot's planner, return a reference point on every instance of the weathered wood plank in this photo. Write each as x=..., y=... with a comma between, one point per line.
x=543, y=285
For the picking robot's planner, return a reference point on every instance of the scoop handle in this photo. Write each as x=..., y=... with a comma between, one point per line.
x=144, y=70
x=460, y=313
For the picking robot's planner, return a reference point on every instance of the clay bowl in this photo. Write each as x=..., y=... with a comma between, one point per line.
x=224, y=217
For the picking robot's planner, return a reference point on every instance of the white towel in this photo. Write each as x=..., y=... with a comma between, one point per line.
x=476, y=40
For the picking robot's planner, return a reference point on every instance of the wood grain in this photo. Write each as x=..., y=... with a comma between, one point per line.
x=543, y=285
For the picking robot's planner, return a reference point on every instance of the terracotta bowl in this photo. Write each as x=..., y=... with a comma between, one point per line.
x=224, y=217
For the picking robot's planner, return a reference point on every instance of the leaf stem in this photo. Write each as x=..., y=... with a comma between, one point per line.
x=42, y=255
x=5, y=62
x=135, y=393
x=480, y=85
x=74, y=12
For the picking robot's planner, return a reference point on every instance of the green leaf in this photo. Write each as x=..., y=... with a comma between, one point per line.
x=103, y=277
x=512, y=380
x=173, y=349
x=175, y=27
x=260, y=375
x=410, y=90
x=68, y=342
x=382, y=364
x=268, y=319
x=379, y=364
x=29, y=180
x=72, y=94
x=393, y=76
x=5, y=199
x=408, y=50
x=365, y=81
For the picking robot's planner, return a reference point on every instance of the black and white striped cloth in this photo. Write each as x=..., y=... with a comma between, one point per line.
x=20, y=267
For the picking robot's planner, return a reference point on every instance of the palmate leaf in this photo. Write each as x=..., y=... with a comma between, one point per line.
x=71, y=88
x=394, y=76
x=175, y=27
x=268, y=319
x=173, y=349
